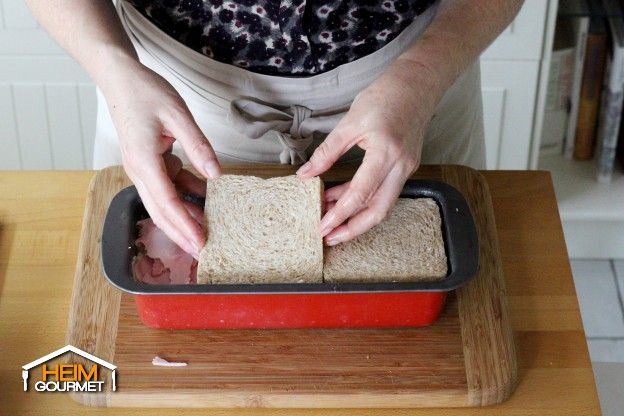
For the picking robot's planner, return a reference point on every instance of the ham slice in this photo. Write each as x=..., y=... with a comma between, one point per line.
x=147, y=270
x=161, y=261
x=158, y=361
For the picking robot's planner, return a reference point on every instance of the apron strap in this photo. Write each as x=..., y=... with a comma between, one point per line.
x=294, y=126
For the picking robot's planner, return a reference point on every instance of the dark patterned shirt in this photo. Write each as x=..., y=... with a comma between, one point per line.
x=287, y=37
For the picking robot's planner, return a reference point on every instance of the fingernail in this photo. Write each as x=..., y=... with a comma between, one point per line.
x=305, y=168
x=335, y=239
x=212, y=169
x=196, y=250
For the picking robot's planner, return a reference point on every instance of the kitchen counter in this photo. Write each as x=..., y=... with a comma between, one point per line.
x=40, y=220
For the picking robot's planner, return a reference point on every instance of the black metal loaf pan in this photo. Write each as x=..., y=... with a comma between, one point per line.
x=458, y=229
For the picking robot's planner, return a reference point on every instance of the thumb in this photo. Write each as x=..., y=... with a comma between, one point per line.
x=195, y=145
x=323, y=158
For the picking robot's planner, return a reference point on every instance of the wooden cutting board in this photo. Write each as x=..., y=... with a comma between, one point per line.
x=467, y=358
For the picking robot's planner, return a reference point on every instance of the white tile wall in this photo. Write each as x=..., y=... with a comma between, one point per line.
x=47, y=102
x=10, y=157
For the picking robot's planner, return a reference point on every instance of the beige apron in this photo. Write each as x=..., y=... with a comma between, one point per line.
x=253, y=117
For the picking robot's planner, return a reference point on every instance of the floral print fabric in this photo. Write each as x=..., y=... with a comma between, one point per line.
x=287, y=37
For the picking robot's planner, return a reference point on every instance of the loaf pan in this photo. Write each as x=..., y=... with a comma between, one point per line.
x=293, y=305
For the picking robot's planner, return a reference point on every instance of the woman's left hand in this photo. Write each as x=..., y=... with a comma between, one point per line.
x=388, y=120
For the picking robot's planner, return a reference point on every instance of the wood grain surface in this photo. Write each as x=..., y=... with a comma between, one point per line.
x=487, y=338
x=466, y=359
x=40, y=220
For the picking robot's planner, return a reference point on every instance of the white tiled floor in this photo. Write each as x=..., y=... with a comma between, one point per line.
x=610, y=379
x=606, y=350
x=600, y=301
x=600, y=289
x=618, y=268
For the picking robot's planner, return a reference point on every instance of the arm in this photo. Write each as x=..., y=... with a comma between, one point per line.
x=148, y=113
x=389, y=119
x=91, y=33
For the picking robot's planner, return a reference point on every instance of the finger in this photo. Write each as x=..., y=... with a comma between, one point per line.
x=330, y=205
x=196, y=212
x=184, y=180
x=167, y=203
x=194, y=143
x=189, y=183
x=161, y=222
x=378, y=209
x=332, y=194
x=326, y=154
x=367, y=179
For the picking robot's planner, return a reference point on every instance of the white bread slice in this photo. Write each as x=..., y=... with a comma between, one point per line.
x=262, y=231
x=406, y=247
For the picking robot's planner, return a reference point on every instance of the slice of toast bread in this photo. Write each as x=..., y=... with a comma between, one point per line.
x=406, y=247
x=262, y=231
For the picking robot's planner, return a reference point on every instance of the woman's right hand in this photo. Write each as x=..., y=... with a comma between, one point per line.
x=149, y=116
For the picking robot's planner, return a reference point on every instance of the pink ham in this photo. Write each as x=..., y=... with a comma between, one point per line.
x=160, y=260
x=146, y=270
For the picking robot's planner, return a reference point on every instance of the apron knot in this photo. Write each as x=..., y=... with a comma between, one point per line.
x=293, y=126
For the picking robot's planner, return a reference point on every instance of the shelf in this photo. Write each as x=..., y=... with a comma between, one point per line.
x=593, y=8
x=579, y=196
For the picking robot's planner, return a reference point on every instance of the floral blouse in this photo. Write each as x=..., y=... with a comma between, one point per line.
x=287, y=37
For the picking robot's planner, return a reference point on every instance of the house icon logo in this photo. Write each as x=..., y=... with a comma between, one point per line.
x=69, y=377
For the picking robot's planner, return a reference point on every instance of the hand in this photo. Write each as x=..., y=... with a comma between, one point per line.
x=388, y=120
x=188, y=186
x=149, y=116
